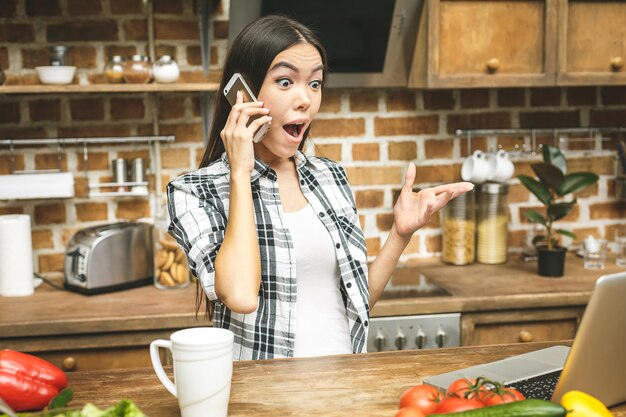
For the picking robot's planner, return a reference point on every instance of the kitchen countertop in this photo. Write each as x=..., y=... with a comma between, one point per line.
x=364, y=385
x=479, y=287
x=514, y=285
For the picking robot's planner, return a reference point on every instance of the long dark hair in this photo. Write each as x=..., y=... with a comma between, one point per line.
x=251, y=54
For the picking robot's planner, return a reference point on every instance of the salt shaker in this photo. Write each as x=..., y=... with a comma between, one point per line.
x=120, y=173
x=138, y=174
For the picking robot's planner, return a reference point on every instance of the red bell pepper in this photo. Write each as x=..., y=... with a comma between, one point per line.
x=28, y=382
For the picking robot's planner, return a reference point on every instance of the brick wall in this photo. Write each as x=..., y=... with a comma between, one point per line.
x=374, y=133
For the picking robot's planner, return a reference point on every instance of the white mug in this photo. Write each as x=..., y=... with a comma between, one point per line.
x=203, y=369
x=475, y=168
x=500, y=166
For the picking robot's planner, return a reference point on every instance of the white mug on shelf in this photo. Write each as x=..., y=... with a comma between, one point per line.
x=475, y=168
x=203, y=369
x=500, y=166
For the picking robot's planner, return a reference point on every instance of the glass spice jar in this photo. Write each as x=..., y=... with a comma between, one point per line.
x=170, y=263
x=492, y=224
x=459, y=230
x=166, y=70
x=114, y=70
x=137, y=70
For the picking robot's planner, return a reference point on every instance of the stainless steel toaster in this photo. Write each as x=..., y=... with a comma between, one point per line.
x=109, y=257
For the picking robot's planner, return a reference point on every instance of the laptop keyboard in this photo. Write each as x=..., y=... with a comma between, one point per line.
x=541, y=387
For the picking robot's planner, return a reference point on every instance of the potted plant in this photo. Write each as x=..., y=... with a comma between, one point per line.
x=551, y=186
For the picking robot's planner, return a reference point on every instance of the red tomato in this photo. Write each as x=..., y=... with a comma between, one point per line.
x=456, y=404
x=409, y=412
x=508, y=395
x=424, y=397
x=465, y=388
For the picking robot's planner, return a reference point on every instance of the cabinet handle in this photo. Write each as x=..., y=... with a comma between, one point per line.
x=493, y=65
x=69, y=364
x=525, y=336
x=617, y=63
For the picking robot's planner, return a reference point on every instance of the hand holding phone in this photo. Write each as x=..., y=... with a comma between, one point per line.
x=235, y=84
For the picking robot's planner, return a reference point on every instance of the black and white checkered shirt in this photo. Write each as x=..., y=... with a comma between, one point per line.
x=198, y=206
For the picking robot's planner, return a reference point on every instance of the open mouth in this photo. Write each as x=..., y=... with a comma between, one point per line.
x=294, y=129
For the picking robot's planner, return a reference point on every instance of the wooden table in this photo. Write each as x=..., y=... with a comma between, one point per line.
x=361, y=385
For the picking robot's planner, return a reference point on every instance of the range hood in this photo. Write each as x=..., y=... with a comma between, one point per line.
x=369, y=43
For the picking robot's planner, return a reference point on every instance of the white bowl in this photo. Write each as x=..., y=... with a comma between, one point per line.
x=58, y=75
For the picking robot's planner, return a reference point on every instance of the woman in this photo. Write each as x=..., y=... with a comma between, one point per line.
x=272, y=234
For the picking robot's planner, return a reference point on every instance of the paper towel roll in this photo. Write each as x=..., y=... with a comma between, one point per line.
x=16, y=256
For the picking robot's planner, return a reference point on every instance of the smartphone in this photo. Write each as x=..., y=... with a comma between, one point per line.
x=237, y=83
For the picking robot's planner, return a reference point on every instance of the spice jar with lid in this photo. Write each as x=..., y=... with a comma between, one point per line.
x=459, y=230
x=170, y=263
x=137, y=70
x=166, y=70
x=492, y=224
x=114, y=70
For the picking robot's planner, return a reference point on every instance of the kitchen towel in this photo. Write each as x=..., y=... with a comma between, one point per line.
x=16, y=256
x=40, y=185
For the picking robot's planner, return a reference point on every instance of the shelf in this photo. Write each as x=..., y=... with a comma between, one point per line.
x=108, y=88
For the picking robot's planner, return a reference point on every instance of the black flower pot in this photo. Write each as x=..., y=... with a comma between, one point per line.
x=551, y=263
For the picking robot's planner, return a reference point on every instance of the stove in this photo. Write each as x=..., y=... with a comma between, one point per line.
x=414, y=332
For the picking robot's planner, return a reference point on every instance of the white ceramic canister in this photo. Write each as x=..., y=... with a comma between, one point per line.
x=165, y=70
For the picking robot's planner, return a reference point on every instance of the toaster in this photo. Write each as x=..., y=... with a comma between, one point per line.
x=109, y=257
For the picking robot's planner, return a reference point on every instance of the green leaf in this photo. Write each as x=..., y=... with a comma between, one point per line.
x=559, y=210
x=566, y=233
x=61, y=399
x=553, y=155
x=537, y=239
x=576, y=181
x=548, y=174
x=535, y=217
x=537, y=188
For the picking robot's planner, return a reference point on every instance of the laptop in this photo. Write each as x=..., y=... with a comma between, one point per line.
x=595, y=364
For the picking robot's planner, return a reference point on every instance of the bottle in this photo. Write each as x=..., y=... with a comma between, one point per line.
x=114, y=70
x=137, y=70
x=166, y=70
x=459, y=230
x=492, y=224
x=170, y=263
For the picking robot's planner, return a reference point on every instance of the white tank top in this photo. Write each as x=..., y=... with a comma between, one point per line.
x=321, y=320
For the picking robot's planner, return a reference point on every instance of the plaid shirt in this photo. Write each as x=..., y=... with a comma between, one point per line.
x=198, y=206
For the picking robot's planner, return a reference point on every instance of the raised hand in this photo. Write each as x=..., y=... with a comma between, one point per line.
x=414, y=210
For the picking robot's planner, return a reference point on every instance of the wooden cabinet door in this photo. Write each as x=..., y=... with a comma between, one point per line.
x=94, y=359
x=488, y=43
x=592, y=42
x=487, y=328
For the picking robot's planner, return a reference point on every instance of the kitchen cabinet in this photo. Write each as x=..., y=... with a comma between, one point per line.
x=520, y=326
x=88, y=352
x=485, y=43
x=592, y=42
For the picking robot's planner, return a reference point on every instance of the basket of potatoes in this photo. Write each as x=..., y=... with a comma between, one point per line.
x=170, y=263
